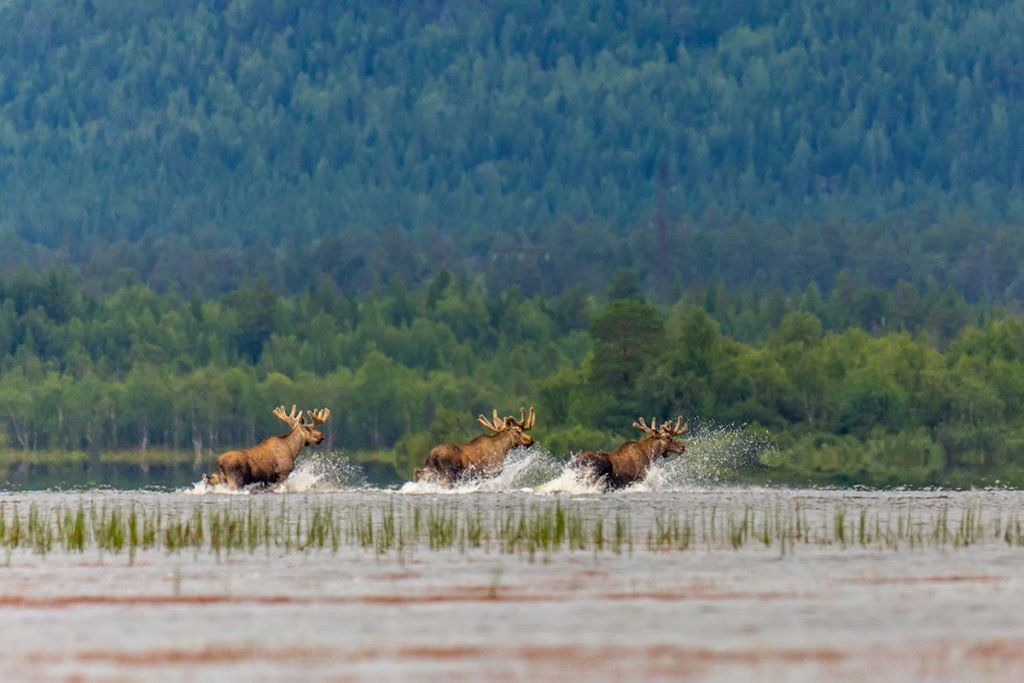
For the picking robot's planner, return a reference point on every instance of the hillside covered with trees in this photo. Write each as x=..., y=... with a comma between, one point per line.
x=753, y=143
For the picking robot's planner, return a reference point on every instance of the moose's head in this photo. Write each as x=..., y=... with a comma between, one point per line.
x=515, y=428
x=665, y=435
x=297, y=422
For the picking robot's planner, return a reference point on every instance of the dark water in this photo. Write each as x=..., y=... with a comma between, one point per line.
x=128, y=477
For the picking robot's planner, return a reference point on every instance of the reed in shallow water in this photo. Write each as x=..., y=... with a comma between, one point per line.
x=530, y=529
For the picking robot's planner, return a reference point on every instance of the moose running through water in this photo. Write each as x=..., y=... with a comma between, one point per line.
x=483, y=456
x=629, y=462
x=273, y=460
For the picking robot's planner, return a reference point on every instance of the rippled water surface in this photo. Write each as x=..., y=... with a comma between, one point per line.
x=532, y=576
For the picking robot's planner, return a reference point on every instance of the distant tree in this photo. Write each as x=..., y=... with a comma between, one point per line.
x=627, y=335
x=256, y=307
x=624, y=285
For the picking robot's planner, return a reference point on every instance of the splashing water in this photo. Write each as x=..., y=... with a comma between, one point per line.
x=572, y=482
x=524, y=469
x=323, y=472
x=203, y=487
x=711, y=451
x=317, y=472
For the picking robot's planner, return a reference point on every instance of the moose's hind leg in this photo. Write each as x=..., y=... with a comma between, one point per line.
x=231, y=474
x=592, y=467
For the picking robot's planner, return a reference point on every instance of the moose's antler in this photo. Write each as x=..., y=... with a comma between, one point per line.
x=668, y=429
x=494, y=424
x=497, y=424
x=292, y=420
x=524, y=423
x=673, y=430
x=318, y=416
x=650, y=431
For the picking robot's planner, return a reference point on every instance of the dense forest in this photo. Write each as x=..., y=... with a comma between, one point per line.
x=756, y=143
x=800, y=218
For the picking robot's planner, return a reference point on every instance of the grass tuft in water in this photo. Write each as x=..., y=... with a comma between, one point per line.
x=530, y=529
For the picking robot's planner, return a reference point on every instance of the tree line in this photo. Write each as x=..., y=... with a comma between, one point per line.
x=927, y=399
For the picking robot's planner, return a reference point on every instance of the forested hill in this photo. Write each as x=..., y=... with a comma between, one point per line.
x=760, y=143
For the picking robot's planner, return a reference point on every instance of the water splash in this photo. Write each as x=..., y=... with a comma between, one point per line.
x=572, y=482
x=524, y=469
x=527, y=470
x=202, y=487
x=318, y=472
x=712, y=452
x=323, y=472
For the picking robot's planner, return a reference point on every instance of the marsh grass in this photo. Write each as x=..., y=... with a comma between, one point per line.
x=529, y=529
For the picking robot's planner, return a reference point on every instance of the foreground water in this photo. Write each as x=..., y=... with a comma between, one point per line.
x=531, y=576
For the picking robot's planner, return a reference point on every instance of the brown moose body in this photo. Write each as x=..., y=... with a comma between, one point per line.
x=483, y=456
x=629, y=463
x=273, y=460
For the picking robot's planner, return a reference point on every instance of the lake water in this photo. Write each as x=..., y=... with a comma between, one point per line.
x=531, y=576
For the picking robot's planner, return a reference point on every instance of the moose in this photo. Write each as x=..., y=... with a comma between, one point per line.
x=485, y=455
x=629, y=462
x=273, y=460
